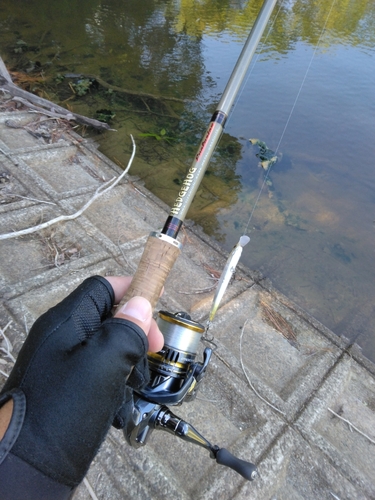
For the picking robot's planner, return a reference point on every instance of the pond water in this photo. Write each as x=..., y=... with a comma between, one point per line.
x=309, y=96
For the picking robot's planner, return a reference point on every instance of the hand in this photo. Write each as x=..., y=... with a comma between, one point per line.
x=71, y=377
x=138, y=310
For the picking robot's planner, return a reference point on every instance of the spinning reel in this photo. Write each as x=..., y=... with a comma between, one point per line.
x=175, y=378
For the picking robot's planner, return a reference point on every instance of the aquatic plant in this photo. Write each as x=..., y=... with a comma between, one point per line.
x=266, y=155
x=82, y=86
x=158, y=136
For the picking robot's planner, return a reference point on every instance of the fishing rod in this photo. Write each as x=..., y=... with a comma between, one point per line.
x=162, y=248
x=175, y=375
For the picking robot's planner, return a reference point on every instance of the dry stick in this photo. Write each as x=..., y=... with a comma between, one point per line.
x=27, y=198
x=334, y=496
x=109, y=86
x=4, y=71
x=8, y=156
x=7, y=350
x=8, y=344
x=197, y=291
x=352, y=426
x=99, y=192
x=90, y=489
x=25, y=324
x=37, y=109
x=69, y=115
x=40, y=102
x=248, y=379
x=221, y=358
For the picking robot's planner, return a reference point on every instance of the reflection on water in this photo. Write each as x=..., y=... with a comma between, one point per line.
x=309, y=95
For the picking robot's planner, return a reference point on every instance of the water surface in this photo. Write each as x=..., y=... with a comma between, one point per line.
x=309, y=95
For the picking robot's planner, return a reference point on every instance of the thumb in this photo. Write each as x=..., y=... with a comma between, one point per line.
x=139, y=311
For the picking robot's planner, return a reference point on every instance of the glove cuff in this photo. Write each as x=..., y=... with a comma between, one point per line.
x=16, y=421
x=20, y=481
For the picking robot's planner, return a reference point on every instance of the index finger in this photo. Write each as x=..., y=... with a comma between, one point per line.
x=120, y=285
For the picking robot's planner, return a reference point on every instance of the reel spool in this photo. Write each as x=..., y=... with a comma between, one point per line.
x=174, y=373
x=181, y=340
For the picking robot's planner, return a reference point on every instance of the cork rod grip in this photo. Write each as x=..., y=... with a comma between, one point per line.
x=158, y=258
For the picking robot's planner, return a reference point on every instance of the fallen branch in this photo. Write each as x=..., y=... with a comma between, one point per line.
x=4, y=72
x=141, y=95
x=197, y=291
x=145, y=95
x=7, y=350
x=43, y=105
x=248, y=379
x=27, y=198
x=334, y=496
x=222, y=359
x=48, y=112
x=8, y=346
x=90, y=489
x=8, y=156
x=351, y=426
x=99, y=192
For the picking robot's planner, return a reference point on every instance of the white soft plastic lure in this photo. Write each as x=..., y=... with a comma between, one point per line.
x=226, y=275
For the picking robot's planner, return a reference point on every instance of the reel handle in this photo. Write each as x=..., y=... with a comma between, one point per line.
x=166, y=420
x=159, y=255
x=246, y=469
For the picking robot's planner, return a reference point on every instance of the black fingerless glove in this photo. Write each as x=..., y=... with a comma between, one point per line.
x=69, y=383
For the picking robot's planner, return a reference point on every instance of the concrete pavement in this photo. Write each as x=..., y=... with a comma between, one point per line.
x=273, y=383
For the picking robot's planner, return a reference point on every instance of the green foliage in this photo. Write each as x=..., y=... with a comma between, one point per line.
x=105, y=115
x=267, y=157
x=82, y=86
x=21, y=47
x=59, y=78
x=161, y=136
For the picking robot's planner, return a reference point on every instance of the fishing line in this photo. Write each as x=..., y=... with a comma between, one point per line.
x=255, y=62
x=243, y=86
x=290, y=114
